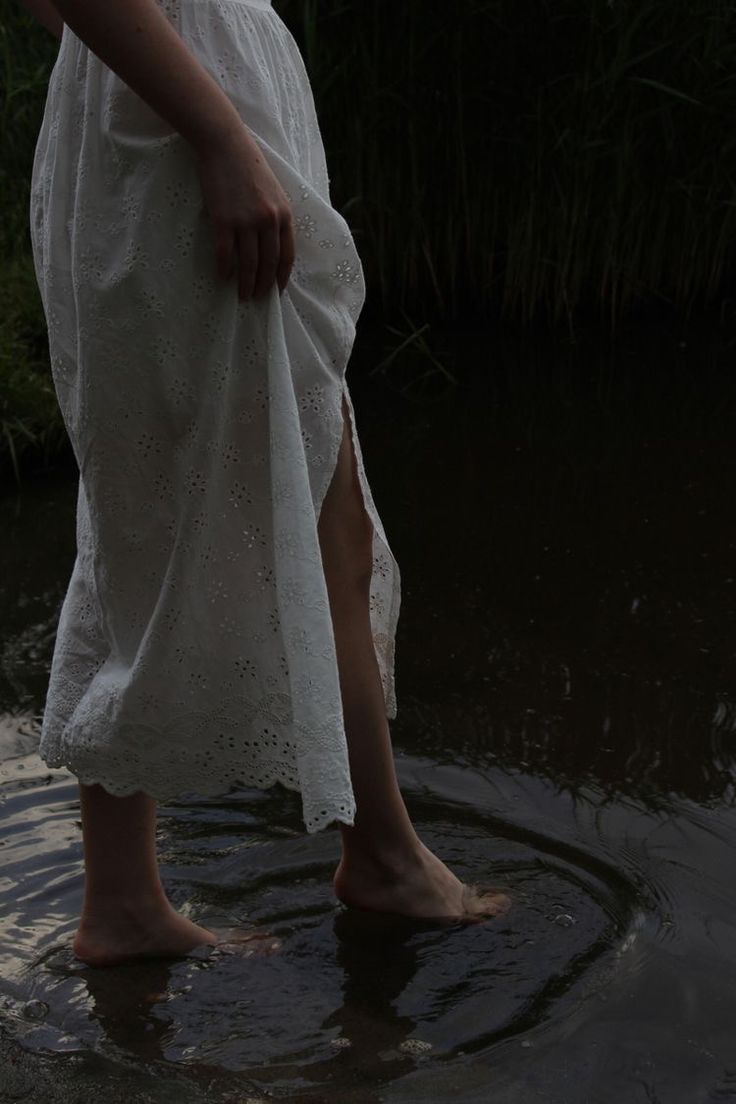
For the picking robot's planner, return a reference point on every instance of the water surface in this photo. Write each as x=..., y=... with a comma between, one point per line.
x=565, y=678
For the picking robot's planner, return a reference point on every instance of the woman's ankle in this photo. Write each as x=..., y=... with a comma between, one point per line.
x=393, y=858
x=102, y=904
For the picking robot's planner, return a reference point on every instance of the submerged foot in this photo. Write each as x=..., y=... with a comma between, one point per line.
x=114, y=938
x=423, y=888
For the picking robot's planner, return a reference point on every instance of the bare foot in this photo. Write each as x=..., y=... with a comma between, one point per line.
x=126, y=935
x=422, y=887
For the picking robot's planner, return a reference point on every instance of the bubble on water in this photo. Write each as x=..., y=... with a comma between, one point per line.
x=35, y=1010
x=341, y=1042
x=557, y=915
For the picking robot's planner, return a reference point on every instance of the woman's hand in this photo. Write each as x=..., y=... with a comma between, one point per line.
x=249, y=212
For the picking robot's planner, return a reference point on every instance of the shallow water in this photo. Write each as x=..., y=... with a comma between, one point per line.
x=565, y=678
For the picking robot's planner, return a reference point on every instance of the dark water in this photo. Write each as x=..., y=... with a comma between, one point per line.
x=566, y=529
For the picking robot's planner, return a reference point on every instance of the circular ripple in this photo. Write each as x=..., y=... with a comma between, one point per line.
x=348, y=992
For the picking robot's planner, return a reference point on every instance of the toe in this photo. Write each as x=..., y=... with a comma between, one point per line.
x=480, y=903
x=237, y=941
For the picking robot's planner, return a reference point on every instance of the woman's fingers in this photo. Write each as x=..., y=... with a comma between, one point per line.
x=264, y=256
x=248, y=261
x=224, y=252
x=268, y=253
x=287, y=252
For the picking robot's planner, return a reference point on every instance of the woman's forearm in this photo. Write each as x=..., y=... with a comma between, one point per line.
x=47, y=14
x=136, y=40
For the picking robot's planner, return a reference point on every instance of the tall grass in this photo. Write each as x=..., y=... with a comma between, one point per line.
x=522, y=162
x=531, y=159
x=30, y=422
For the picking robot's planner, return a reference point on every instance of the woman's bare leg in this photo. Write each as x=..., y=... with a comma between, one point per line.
x=384, y=865
x=126, y=913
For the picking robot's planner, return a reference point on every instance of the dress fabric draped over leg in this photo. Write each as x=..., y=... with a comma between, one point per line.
x=195, y=650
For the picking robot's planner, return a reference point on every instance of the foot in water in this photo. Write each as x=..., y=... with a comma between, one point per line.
x=422, y=888
x=125, y=936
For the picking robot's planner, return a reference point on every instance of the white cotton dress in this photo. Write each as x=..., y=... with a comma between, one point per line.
x=195, y=650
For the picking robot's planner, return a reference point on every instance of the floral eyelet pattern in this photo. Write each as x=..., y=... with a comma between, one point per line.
x=194, y=650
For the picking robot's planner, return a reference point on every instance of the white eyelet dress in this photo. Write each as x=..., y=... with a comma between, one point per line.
x=195, y=650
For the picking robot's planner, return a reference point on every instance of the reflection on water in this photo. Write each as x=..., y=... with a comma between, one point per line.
x=566, y=717
x=349, y=997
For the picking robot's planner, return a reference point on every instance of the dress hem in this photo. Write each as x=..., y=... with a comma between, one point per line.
x=315, y=824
